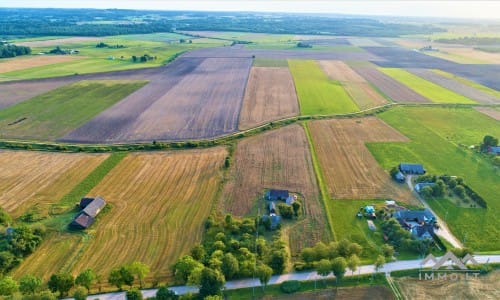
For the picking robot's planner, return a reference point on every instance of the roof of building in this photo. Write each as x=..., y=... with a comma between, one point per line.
x=369, y=209
x=278, y=194
x=495, y=150
x=420, y=231
x=421, y=185
x=419, y=215
x=85, y=201
x=83, y=220
x=412, y=168
x=94, y=207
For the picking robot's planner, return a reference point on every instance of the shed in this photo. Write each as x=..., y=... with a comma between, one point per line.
x=369, y=209
x=272, y=207
x=94, y=207
x=494, y=150
x=400, y=177
x=82, y=221
x=85, y=201
x=390, y=203
x=416, y=169
x=275, y=195
x=371, y=225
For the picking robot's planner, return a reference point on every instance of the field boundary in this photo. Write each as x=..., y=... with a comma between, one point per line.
x=226, y=139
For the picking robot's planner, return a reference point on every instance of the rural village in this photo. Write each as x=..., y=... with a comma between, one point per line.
x=187, y=155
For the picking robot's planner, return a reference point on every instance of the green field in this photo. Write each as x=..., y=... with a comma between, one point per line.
x=317, y=93
x=53, y=114
x=426, y=88
x=436, y=135
x=268, y=62
x=468, y=82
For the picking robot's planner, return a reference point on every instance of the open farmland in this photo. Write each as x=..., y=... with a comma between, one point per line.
x=372, y=292
x=456, y=86
x=194, y=98
x=490, y=111
x=58, y=41
x=390, y=87
x=484, y=287
x=467, y=82
x=33, y=180
x=317, y=93
x=435, y=135
x=356, y=86
x=55, y=113
x=278, y=159
x=269, y=95
x=20, y=63
x=430, y=90
x=349, y=170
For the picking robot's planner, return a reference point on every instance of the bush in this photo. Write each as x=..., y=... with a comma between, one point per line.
x=290, y=286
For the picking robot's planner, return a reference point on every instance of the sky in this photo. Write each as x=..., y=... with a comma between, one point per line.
x=422, y=8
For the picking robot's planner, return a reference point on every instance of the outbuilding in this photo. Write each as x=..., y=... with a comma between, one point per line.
x=412, y=169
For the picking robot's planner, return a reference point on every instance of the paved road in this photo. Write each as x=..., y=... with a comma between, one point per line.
x=244, y=283
x=443, y=230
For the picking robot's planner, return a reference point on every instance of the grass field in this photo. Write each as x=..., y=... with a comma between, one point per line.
x=53, y=114
x=316, y=92
x=268, y=62
x=33, y=180
x=14, y=64
x=435, y=135
x=469, y=82
x=426, y=88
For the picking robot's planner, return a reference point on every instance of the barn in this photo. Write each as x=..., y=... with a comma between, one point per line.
x=91, y=207
x=412, y=169
x=275, y=195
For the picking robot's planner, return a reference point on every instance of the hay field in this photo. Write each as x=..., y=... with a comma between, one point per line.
x=59, y=41
x=277, y=159
x=490, y=111
x=349, y=170
x=159, y=204
x=355, y=85
x=36, y=179
x=21, y=63
x=484, y=287
x=269, y=95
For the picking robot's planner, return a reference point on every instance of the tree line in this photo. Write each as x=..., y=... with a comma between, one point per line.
x=11, y=50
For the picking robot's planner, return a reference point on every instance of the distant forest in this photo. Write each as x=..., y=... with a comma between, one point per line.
x=9, y=50
x=102, y=22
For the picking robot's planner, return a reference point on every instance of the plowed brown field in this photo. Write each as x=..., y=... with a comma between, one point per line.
x=356, y=86
x=21, y=63
x=269, y=95
x=35, y=179
x=278, y=159
x=349, y=169
x=491, y=112
x=160, y=202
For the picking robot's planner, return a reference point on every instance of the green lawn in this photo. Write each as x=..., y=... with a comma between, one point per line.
x=468, y=82
x=436, y=134
x=317, y=93
x=53, y=114
x=426, y=88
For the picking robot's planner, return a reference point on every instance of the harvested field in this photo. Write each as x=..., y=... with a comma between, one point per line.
x=356, y=86
x=352, y=293
x=203, y=99
x=269, y=95
x=489, y=111
x=390, y=87
x=349, y=169
x=363, y=42
x=21, y=63
x=484, y=287
x=456, y=86
x=36, y=180
x=58, y=42
x=153, y=219
x=277, y=159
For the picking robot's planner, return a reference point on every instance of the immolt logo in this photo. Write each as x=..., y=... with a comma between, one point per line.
x=454, y=267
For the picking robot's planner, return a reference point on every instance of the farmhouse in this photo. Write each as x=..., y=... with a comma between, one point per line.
x=91, y=207
x=407, y=217
x=423, y=232
x=414, y=169
x=275, y=195
x=419, y=186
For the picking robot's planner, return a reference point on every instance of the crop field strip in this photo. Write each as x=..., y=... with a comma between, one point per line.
x=490, y=112
x=53, y=114
x=470, y=83
x=277, y=159
x=456, y=86
x=436, y=135
x=390, y=87
x=269, y=95
x=430, y=90
x=356, y=86
x=37, y=180
x=349, y=170
x=316, y=92
x=20, y=63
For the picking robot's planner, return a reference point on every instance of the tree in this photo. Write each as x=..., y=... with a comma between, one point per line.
x=164, y=293
x=488, y=141
x=286, y=211
x=379, y=263
x=264, y=273
x=296, y=208
x=353, y=262
x=213, y=297
x=230, y=266
x=8, y=286
x=7, y=261
x=139, y=269
x=127, y=276
x=30, y=284
x=459, y=191
x=80, y=293
x=426, y=192
x=61, y=282
x=134, y=58
x=184, y=267
x=308, y=255
x=198, y=252
x=133, y=294
x=324, y=268
x=388, y=250
x=115, y=278
x=278, y=261
x=339, y=266
x=23, y=241
x=211, y=282
x=86, y=278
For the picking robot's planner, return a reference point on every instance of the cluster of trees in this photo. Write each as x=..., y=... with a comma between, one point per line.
x=471, y=40
x=303, y=45
x=17, y=243
x=401, y=239
x=183, y=41
x=230, y=250
x=11, y=50
x=58, y=50
x=142, y=59
x=488, y=141
x=289, y=211
x=447, y=184
x=104, y=45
